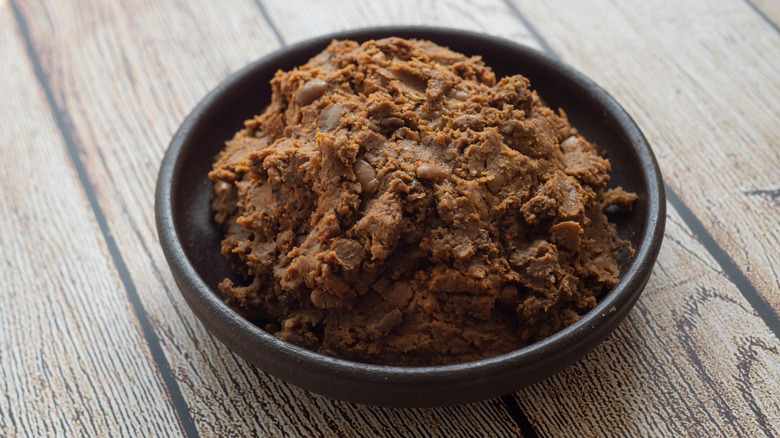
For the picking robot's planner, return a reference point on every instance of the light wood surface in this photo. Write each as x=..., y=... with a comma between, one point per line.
x=73, y=359
x=96, y=339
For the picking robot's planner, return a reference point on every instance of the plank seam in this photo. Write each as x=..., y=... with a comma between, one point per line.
x=535, y=33
x=64, y=125
x=271, y=24
x=517, y=414
x=727, y=264
x=763, y=15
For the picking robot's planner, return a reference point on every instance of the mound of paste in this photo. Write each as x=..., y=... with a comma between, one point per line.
x=397, y=204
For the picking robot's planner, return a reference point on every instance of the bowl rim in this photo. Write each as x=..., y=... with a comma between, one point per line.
x=609, y=311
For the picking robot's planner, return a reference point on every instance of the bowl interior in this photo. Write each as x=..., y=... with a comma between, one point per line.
x=246, y=93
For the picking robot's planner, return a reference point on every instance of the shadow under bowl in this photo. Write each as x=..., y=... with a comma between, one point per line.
x=191, y=240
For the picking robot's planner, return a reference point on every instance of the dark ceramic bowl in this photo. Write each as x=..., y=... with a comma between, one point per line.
x=191, y=240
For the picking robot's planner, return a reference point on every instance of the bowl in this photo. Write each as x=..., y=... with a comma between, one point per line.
x=191, y=240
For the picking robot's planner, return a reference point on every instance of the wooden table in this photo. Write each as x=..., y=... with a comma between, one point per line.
x=96, y=340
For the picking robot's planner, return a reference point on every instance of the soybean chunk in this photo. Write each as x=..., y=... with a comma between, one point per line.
x=432, y=172
x=396, y=203
x=310, y=91
x=366, y=176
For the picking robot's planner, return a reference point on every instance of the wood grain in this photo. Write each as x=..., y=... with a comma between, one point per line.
x=73, y=359
x=125, y=83
x=706, y=92
x=297, y=21
x=769, y=9
x=692, y=359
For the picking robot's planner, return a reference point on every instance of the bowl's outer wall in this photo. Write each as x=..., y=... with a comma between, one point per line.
x=191, y=239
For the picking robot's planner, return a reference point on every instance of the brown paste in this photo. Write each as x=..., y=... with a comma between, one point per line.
x=397, y=204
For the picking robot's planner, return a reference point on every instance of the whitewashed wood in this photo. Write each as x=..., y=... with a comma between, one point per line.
x=297, y=20
x=126, y=81
x=692, y=359
x=73, y=358
x=166, y=57
x=702, y=80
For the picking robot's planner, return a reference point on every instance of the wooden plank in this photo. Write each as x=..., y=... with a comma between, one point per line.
x=769, y=9
x=126, y=81
x=702, y=81
x=692, y=359
x=73, y=358
x=301, y=20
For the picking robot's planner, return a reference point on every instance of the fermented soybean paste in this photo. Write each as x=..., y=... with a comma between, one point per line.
x=397, y=204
